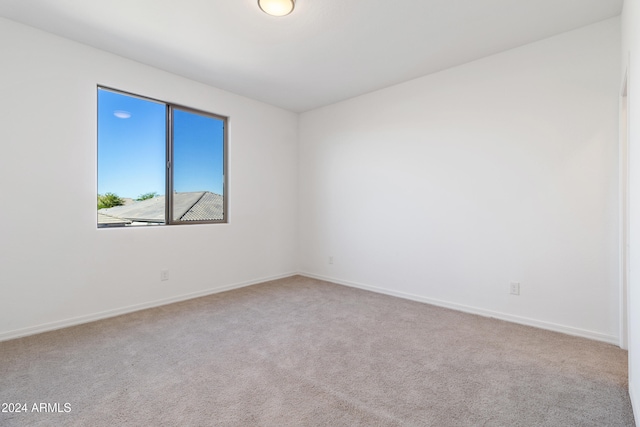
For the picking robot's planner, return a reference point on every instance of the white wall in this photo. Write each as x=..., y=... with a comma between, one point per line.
x=56, y=267
x=449, y=187
x=631, y=67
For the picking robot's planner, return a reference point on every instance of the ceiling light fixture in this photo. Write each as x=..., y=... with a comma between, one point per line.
x=277, y=7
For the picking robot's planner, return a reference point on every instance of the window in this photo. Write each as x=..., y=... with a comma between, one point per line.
x=159, y=163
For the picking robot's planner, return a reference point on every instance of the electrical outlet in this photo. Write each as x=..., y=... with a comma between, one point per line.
x=514, y=288
x=330, y=260
x=164, y=275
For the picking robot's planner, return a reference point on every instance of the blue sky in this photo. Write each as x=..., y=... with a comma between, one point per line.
x=131, y=150
x=197, y=148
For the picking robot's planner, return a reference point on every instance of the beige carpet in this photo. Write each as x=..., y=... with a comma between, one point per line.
x=301, y=352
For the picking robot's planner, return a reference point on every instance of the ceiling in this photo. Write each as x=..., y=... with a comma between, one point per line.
x=324, y=52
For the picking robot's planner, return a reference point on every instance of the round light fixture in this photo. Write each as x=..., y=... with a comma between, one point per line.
x=277, y=7
x=121, y=114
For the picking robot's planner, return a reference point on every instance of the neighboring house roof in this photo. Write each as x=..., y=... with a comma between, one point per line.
x=111, y=221
x=209, y=206
x=188, y=206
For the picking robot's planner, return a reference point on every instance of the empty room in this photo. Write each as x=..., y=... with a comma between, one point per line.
x=320, y=212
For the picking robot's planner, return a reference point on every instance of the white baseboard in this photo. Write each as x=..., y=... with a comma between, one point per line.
x=569, y=330
x=46, y=327
x=32, y=330
x=634, y=404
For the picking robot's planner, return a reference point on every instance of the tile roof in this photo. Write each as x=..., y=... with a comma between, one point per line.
x=209, y=207
x=107, y=220
x=187, y=206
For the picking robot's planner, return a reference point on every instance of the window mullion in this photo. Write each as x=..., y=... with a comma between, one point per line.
x=169, y=167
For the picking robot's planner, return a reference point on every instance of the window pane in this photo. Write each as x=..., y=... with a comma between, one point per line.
x=131, y=160
x=198, y=167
